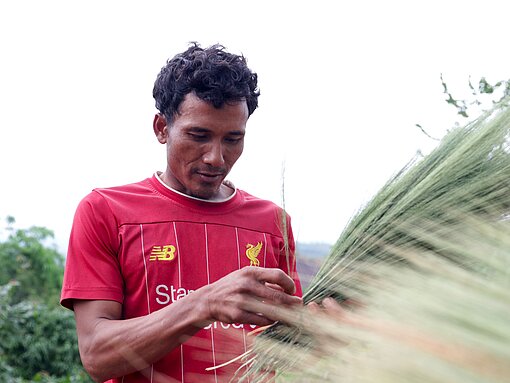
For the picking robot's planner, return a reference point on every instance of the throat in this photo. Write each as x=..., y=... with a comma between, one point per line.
x=226, y=190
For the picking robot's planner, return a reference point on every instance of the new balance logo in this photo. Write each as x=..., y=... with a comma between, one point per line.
x=162, y=253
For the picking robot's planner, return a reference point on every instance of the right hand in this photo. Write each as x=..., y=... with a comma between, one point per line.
x=251, y=295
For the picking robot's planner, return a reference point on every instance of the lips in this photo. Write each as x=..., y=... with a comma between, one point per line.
x=210, y=177
x=210, y=174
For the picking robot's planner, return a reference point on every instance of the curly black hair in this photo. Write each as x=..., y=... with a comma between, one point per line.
x=213, y=74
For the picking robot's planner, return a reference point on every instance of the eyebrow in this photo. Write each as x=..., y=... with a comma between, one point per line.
x=236, y=133
x=197, y=129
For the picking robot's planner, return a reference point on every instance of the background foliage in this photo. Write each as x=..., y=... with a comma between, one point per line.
x=38, y=336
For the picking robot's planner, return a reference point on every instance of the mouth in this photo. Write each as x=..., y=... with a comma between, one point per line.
x=210, y=177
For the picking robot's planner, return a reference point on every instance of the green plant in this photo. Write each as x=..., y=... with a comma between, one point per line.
x=39, y=342
x=419, y=212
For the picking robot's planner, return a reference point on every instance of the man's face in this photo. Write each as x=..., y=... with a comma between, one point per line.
x=203, y=143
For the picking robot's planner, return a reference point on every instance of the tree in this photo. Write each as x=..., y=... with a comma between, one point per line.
x=28, y=260
x=39, y=342
x=482, y=97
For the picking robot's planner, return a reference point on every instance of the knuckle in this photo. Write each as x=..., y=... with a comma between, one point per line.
x=276, y=296
x=236, y=316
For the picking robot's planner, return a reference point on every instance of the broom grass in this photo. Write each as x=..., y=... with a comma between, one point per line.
x=432, y=321
x=427, y=263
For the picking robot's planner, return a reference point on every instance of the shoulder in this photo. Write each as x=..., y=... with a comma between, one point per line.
x=258, y=203
x=122, y=194
x=263, y=214
x=114, y=201
x=132, y=189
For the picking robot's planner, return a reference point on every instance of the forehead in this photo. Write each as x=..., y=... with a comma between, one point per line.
x=197, y=113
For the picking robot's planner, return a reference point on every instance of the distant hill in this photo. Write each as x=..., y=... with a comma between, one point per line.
x=309, y=258
x=313, y=249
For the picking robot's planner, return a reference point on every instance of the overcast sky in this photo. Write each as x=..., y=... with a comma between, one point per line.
x=342, y=86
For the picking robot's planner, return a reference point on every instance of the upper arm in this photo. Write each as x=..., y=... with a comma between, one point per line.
x=92, y=270
x=89, y=313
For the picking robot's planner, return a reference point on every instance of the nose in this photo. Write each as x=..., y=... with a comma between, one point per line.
x=214, y=155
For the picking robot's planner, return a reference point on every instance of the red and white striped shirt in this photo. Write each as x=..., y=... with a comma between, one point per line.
x=146, y=246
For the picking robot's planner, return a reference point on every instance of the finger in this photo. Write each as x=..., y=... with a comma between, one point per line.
x=332, y=307
x=275, y=276
x=313, y=308
x=273, y=286
x=279, y=297
x=266, y=310
x=270, y=295
x=255, y=319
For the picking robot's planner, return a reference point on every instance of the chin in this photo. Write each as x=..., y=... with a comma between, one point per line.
x=205, y=194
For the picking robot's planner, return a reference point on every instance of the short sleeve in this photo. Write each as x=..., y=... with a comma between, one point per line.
x=92, y=270
x=288, y=257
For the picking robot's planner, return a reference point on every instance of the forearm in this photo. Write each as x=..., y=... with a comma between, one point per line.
x=113, y=347
x=118, y=347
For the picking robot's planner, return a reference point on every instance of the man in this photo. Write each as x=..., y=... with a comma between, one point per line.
x=168, y=276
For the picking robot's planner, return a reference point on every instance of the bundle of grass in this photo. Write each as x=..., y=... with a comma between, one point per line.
x=422, y=217
x=432, y=321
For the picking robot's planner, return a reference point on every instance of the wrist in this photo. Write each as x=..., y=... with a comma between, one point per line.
x=199, y=300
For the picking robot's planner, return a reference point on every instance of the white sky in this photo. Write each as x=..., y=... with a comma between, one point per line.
x=343, y=85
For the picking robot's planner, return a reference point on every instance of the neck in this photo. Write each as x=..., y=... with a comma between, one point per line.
x=225, y=192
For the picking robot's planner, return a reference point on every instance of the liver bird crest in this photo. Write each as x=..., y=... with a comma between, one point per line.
x=252, y=253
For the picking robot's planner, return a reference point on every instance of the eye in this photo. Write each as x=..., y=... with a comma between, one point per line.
x=197, y=137
x=233, y=139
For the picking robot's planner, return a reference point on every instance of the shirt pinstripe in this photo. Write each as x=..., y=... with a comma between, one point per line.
x=144, y=243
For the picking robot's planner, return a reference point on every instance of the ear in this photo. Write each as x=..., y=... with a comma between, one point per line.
x=160, y=128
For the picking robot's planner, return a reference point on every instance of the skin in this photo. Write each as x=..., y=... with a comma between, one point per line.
x=203, y=143
x=328, y=306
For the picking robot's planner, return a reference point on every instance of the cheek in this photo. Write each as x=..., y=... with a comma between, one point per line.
x=181, y=154
x=235, y=153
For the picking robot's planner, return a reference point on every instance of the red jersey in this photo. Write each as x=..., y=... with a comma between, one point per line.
x=146, y=246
